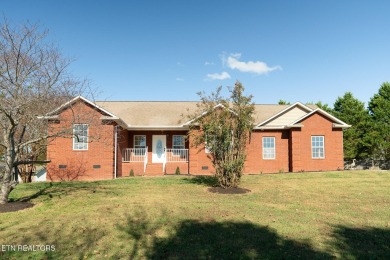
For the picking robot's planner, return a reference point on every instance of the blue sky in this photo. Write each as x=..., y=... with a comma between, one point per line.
x=169, y=50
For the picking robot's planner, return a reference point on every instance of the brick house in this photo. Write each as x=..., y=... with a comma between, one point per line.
x=115, y=137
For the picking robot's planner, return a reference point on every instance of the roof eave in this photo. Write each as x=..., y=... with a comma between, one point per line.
x=157, y=127
x=116, y=119
x=341, y=126
x=277, y=127
x=48, y=117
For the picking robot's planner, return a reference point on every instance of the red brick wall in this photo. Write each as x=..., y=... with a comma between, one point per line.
x=301, y=156
x=171, y=167
x=100, y=147
x=255, y=162
x=293, y=150
x=123, y=140
x=200, y=163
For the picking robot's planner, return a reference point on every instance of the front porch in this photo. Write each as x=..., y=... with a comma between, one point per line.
x=154, y=153
x=170, y=160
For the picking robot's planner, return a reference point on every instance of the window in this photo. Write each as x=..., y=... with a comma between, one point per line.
x=178, y=142
x=139, y=145
x=139, y=141
x=317, y=147
x=80, y=137
x=269, y=148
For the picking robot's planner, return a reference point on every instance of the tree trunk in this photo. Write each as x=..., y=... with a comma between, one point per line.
x=7, y=186
x=10, y=177
x=5, y=191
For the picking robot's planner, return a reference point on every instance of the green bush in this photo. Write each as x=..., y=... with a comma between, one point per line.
x=177, y=172
x=131, y=174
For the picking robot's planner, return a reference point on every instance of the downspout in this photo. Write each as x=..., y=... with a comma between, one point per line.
x=116, y=151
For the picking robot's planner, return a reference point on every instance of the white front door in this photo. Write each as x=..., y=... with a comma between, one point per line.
x=158, y=149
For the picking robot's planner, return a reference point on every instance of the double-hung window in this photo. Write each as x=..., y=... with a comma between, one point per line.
x=269, y=151
x=178, y=143
x=80, y=137
x=317, y=147
x=139, y=144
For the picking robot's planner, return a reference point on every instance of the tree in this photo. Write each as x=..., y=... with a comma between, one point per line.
x=353, y=112
x=224, y=125
x=324, y=107
x=379, y=109
x=283, y=102
x=33, y=81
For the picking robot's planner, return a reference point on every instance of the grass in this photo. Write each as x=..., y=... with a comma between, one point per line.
x=306, y=215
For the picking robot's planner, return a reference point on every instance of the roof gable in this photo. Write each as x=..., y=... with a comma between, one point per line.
x=75, y=100
x=286, y=116
x=336, y=122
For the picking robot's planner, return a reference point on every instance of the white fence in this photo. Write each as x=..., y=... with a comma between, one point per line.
x=135, y=155
x=176, y=155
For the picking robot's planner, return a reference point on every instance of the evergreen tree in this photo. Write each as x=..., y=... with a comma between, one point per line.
x=324, y=107
x=379, y=109
x=283, y=102
x=353, y=112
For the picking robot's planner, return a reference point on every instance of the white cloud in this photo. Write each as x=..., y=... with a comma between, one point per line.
x=179, y=79
x=218, y=76
x=258, y=67
x=208, y=63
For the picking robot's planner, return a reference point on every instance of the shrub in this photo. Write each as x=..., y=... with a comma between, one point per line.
x=177, y=172
x=131, y=174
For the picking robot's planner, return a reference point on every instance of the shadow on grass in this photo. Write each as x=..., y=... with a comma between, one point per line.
x=192, y=239
x=362, y=243
x=50, y=190
x=42, y=191
x=210, y=181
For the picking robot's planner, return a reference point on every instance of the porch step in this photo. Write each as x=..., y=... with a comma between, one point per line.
x=154, y=168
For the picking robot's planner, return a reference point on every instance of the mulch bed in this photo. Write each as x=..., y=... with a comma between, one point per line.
x=228, y=191
x=15, y=206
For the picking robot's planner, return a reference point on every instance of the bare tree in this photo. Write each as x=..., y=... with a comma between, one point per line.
x=33, y=81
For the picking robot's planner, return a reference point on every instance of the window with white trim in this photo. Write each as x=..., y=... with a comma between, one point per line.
x=139, y=141
x=317, y=147
x=178, y=142
x=80, y=137
x=269, y=151
x=139, y=145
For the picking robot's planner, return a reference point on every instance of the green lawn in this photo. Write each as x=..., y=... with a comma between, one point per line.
x=304, y=215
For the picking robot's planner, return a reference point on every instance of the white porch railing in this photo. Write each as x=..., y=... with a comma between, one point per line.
x=145, y=158
x=135, y=155
x=141, y=155
x=165, y=159
x=176, y=155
